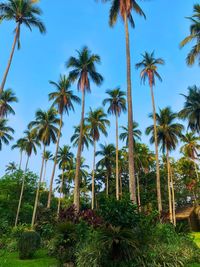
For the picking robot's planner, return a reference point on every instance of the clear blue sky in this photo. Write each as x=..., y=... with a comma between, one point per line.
x=72, y=24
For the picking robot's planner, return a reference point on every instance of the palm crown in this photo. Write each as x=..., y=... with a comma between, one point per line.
x=31, y=142
x=5, y=133
x=64, y=157
x=191, y=145
x=136, y=133
x=6, y=98
x=86, y=140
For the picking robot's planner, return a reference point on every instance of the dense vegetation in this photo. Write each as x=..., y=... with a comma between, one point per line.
x=118, y=211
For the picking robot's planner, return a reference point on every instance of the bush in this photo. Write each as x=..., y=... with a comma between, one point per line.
x=28, y=243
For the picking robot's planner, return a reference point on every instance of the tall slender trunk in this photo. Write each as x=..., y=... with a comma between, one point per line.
x=78, y=157
x=120, y=186
x=159, y=198
x=138, y=192
x=169, y=186
x=173, y=198
x=45, y=169
x=107, y=185
x=20, y=161
x=10, y=58
x=38, y=191
x=132, y=184
x=117, y=160
x=22, y=191
x=61, y=192
x=93, y=176
x=55, y=163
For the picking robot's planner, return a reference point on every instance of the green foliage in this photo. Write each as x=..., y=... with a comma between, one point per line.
x=28, y=243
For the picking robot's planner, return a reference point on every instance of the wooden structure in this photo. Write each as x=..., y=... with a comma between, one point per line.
x=189, y=215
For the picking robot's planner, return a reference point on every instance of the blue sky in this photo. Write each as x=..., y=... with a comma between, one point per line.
x=72, y=24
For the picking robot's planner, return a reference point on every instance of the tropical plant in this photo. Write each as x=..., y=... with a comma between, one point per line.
x=23, y=12
x=47, y=157
x=194, y=36
x=117, y=104
x=64, y=158
x=107, y=152
x=30, y=142
x=45, y=124
x=11, y=167
x=97, y=122
x=5, y=133
x=19, y=145
x=84, y=71
x=124, y=9
x=149, y=66
x=136, y=133
x=63, y=99
x=191, y=109
x=6, y=98
x=168, y=133
x=86, y=140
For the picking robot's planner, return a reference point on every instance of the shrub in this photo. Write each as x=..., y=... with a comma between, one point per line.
x=28, y=243
x=18, y=230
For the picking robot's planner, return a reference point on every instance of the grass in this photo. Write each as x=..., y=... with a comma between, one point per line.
x=196, y=236
x=41, y=259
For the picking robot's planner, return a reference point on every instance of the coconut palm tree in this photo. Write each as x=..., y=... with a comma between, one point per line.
x=63, y=99
x=191, y=109
x=19, y=145
x=136, y=133
x=45, y=124
x=168, y=133
x=86, y=140
x=194, y=36
x=116, y=104
x=64, y=159
x=124, y=9
x=7, y=98
x=11, y=167
x=47, y=157
x=31, y=143
x=5, y=133
x=107, y=153
x=149, y=71
x=97, y=122
x=23, y=12
x=84, y=72
x=191, y=148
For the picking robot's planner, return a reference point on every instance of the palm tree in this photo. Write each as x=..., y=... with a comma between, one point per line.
x=47, y=157
x=117, y=103
x=107, y=152
x=11, y=167
x=84, y=71
x=46, y=126
x=5, y=133
x=124, y=9
x=191, y=148
x=30, y=145
x=6, y=98
x=136, y=133
x=23, y=12
x=86, y=140
x=149, y=66
x=97, y=124
x=194, y=36
x=19, y=145
x=63, y=99
x=168, y=134
x=191, y=109
x=64, y=159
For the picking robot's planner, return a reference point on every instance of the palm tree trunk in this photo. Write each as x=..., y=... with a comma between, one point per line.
x=21, y=194
x=173, y=198
x=132, y=184
x=61, y=191
x=38, y=191
x=169, y=186
x=117, y=160
x=78, y=157
x=159, y=198
x=55, y=162
x=10, y=58
x=120, y=185
x=138, y=192
x=107, y=185
x=93, y=176
x=45, y=169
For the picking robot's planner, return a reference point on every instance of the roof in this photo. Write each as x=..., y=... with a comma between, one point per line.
x=184, y=213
